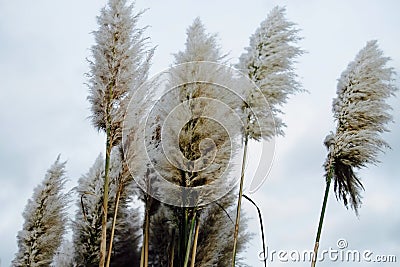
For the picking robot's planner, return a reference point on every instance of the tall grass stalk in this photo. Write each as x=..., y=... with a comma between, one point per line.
x=196, y=237
x=362, y=114
x=239, y=203
x=103, y=244
x=321, y=217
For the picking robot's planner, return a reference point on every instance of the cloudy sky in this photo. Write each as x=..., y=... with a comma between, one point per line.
x=44, y=111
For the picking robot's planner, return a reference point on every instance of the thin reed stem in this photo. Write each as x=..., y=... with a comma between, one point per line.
x=261, y=226
x=172, y=255
x=321, y=217
x=103, y=244
x=142, y=255
x=189, y=240
x=113, y=227
x=196, y=237
x=239, y=204
x=146, y=239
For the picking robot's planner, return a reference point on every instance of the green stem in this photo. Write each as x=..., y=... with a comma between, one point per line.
x=189, y=240
x=146, y=236
x=239, y=204
x=182, y=236
x=321, y=217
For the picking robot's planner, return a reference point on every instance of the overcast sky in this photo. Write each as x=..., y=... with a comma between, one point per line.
x=44, y=111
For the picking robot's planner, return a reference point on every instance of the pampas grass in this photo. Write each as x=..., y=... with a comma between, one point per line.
x=361, y=114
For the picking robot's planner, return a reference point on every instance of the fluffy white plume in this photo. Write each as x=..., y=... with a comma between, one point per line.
x=268, y=62
x=45, y=220
x=119, y=66
x=362, y=114
x=188, y=137
x=87, y=224
x=192, y=131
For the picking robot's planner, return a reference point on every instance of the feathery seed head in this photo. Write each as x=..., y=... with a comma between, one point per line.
x=119, y=65
x=268, y=62
x=192, y=132
x=362, y=115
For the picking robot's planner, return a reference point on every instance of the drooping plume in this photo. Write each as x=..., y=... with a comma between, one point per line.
x=362, y=114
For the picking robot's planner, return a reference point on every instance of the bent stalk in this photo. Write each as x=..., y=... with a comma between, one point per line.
x=261, y=226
